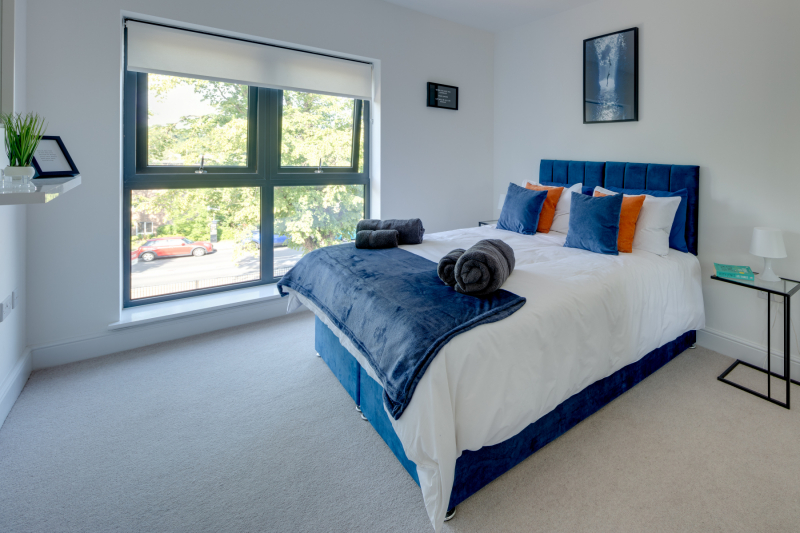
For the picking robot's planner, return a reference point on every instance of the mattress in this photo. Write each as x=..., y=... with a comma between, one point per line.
x=587, y=315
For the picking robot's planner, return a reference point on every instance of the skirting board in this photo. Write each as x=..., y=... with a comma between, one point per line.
x=112, y=341
x=747, y=351
x=12, y=386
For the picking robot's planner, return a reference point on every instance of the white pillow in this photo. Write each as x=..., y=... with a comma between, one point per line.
x=654, y=223
x=561, y=219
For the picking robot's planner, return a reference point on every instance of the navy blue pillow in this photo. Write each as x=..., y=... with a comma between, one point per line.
x=677, y=235
x=594, y=223
x=521, y=210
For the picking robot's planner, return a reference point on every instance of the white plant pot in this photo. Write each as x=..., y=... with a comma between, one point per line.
x=18, y=173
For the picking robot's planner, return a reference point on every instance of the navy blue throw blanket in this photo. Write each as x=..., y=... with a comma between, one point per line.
x=393, y=306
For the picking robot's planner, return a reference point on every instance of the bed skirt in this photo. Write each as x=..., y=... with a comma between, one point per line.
x=475, y=469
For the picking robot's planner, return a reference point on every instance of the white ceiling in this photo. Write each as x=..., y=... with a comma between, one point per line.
x=490, y=15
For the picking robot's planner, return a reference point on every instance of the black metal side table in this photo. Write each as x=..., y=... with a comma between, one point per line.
x=486, y=223
x=785, y=288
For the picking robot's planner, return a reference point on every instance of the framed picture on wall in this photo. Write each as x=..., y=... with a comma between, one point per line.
x=611, y=77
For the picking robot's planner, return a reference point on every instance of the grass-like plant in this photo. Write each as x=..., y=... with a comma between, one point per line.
x=23, y=133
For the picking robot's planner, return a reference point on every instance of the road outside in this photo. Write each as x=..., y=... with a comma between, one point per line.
x=177, y=274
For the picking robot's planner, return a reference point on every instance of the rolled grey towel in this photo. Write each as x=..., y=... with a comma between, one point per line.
x=411, y=230
x=376, y=239
x=484, y=268
x=371, y=224
x=447, y=266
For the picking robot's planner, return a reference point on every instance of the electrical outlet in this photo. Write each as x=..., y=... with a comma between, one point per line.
x=775, y=298
x=6, y=309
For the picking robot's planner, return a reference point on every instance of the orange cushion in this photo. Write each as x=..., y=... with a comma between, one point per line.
x=631, y=206
x=549, y=207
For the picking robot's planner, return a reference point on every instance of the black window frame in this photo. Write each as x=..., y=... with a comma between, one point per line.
x=263, y=170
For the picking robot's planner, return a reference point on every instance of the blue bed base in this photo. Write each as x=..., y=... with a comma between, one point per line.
x=475, y=469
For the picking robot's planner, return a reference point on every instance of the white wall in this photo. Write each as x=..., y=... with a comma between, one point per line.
x=15, y=364
x=435, y=164
x=718, y=88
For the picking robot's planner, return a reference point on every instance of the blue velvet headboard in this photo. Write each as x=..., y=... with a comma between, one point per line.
x=631, y=176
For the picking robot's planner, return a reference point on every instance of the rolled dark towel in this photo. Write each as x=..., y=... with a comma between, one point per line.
x=411, y=230
x=371, y=224
x=382, y=238
x=484, y=268
x=447, y=266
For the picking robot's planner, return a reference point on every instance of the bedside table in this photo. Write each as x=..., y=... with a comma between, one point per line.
x=486, y=223
x=785, y=288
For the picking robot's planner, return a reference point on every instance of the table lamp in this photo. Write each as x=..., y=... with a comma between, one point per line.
x=768, y=243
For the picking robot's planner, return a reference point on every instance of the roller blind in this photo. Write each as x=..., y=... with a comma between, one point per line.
x=162, y=50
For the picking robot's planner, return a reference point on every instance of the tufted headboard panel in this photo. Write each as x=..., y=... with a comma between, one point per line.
x=631, y=176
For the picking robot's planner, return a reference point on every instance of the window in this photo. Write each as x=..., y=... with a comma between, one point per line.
x=189, y=119
x=190, y=230
x=309, y=217
x=186, y=257
x=317, y=130
x=144, y=228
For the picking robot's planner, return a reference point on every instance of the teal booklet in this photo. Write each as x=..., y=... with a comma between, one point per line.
x=734, y=272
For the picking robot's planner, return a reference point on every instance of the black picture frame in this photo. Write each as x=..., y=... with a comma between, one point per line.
x=56, y=174
x=612, y=104
x=434, y=98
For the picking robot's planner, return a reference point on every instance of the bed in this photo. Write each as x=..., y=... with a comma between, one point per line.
x=593, y=327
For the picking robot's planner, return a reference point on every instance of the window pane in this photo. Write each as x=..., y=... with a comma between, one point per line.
x=316, y=127
x=190, y=118
x=309, y=217
x=200, y=238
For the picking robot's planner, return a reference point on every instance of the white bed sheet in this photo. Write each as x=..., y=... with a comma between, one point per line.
x=587, y=315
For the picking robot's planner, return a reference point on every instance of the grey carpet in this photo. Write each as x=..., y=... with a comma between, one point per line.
x=245, y=430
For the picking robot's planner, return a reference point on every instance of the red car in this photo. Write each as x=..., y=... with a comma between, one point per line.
x=171, y=247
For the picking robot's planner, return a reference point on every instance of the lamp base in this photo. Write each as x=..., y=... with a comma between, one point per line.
x=768, y=274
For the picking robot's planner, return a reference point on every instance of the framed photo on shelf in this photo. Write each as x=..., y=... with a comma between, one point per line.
x=51, y=159
x=611, y=77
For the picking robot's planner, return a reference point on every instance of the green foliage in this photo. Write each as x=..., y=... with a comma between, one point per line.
x=313, y=217
x=316, y=126
x=23, y=133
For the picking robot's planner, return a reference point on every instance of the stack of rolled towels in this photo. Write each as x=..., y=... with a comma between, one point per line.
x=372, y=233
x=479, y=271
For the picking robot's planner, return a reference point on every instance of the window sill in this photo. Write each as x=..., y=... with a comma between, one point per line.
x=197, y=305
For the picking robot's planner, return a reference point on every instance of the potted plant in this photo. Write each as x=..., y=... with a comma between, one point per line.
x=23, y=133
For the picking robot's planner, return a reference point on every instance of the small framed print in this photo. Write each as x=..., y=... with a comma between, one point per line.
x=51, y=159
x=442, y=96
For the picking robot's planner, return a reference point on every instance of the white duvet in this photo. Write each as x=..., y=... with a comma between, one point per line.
x=587, y=315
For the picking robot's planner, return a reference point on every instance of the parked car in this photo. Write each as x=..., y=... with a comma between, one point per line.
x=171, y=247
x=277, y=240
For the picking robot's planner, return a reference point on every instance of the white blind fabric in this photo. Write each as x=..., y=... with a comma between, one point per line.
x=162, y=50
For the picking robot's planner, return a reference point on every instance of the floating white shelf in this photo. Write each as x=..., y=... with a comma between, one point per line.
x=36, y=191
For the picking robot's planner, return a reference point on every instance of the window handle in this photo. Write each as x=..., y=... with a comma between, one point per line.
x=201, y=170
x=319, y=168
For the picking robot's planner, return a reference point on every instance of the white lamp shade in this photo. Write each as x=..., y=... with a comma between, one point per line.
x=768, y=242
x=501, y=202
